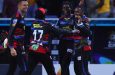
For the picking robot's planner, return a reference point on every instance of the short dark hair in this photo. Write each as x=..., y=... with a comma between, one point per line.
x=21, y=1
x=79, y=8
x=67, y=3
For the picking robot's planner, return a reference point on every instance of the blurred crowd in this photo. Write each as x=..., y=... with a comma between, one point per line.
x=92, y=8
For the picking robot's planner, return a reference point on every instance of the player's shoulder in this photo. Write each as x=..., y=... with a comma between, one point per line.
x=14, y=21
x=16, y=17
x=40, y=23
x=85, y=18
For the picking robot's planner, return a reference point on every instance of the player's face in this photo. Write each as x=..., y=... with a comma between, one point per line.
x=66, y=8
x=77, y=12
x=23, y=6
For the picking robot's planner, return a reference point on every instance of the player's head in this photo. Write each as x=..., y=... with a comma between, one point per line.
x=66, y=7
x=78, y=11
x=40, y=13
x=23, y=5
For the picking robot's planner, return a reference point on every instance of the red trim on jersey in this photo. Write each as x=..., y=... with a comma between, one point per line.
x=73, y=37
x=87, y=48
x=17, y=14
x=41, y=49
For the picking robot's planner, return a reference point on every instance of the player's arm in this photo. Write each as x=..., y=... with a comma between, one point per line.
x=59, y=31
x=83, y=27
x=11, y=32
x=11, y=38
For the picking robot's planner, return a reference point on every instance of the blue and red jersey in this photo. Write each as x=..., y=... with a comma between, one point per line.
x=17, y=31
x=41, y=32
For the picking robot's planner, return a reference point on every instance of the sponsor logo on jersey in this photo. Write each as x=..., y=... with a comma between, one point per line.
x=37, y=26
x=14, y=22
x=66, y=19
x=66, y=27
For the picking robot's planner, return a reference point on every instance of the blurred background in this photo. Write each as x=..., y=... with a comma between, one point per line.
x=92, y=8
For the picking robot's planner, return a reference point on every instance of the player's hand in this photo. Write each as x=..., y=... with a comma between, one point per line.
x=13, y=52
x=79, y=19
x=5, y=43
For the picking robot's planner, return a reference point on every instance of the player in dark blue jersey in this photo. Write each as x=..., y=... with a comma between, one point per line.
x=69, y=44
x=39, y=44
x=17, y=40
x=41, y=34
x=66, y=44
x=82, y=47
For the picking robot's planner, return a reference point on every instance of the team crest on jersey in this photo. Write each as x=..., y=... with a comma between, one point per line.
x=37, y=26
x=14, y=22
x=67, y=28
x=66, y=19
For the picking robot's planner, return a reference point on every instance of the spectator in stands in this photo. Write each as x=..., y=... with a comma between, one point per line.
x=112, y=8
x=90, y=4
x=31, y=2
x=31, y=9
x=76, y=3
x=10, y=8
x=81, y=3
x=102, y=7
x=33, y=6
x=1, y=7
